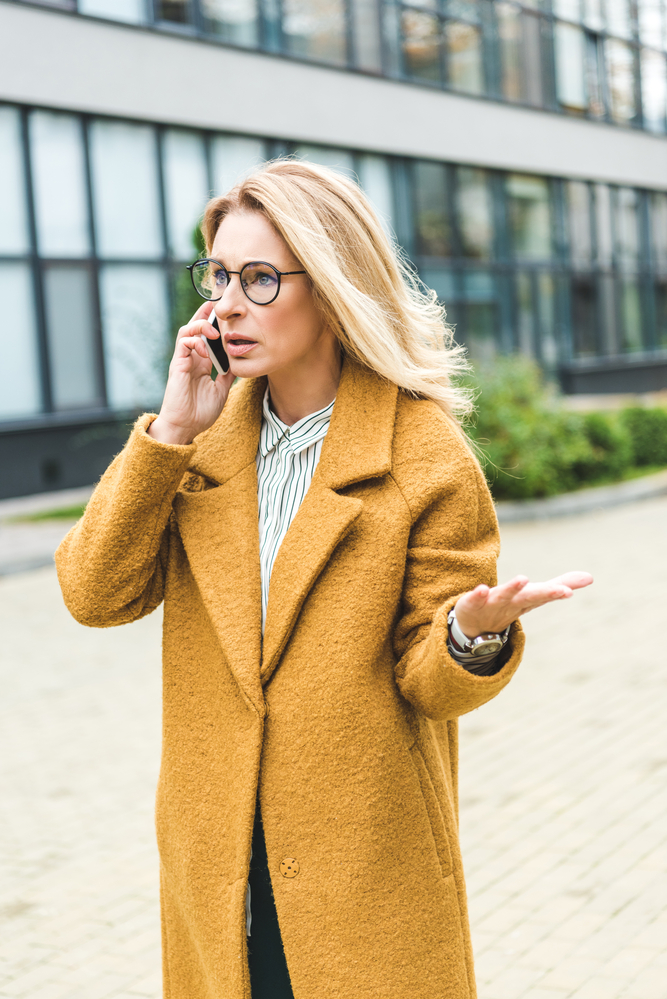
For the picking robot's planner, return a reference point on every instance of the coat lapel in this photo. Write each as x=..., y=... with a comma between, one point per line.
x=219, y=530
x=357, y=447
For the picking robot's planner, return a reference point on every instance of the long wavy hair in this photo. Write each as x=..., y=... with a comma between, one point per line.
x=369, y=294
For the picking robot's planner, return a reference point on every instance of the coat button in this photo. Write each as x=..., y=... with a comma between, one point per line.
x=289, y=867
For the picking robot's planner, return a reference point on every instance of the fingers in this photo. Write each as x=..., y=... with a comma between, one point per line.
x=575, y=580
x=189, y=344
x=200, y=325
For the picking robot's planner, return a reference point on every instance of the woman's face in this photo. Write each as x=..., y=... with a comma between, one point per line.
x=265, y=339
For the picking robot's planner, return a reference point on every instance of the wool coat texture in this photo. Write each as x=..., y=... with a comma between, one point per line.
x=343, y=718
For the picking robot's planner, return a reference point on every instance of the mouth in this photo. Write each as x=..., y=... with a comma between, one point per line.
x=237, y=346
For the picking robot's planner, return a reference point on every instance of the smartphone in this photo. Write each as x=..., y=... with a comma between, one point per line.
x=215, y=349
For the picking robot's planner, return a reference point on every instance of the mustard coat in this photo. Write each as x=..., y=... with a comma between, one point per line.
x=345, y=715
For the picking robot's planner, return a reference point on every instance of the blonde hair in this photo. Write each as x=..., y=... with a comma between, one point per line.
x=371, y=297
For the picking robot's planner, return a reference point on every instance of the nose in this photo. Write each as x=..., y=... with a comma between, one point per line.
x=233, y=301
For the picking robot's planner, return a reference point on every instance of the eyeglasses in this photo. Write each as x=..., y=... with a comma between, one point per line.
x=260, y=281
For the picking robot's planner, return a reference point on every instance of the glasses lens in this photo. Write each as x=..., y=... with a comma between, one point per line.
x=209, y=279
x=260, y=283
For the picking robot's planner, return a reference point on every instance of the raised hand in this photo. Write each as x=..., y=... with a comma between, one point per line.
x=491, y=609
x=192, y=400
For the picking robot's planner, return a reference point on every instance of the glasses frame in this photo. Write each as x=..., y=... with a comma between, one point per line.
x=251, y=263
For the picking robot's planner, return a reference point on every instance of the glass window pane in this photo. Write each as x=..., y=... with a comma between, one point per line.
x=59, y=179
x=125, y=190
x=175, y=11
x=135, y=322
x=579, y=213
x=608, y=314
x=651, y=22
x=475, y=211
x=530, y=216
x=658, y=221
x=131, y=11
x=632, y=315
x=13, y=217
x=593, y=14
x=234, y=21
x=627, y=228
x=465, y=66
x=421, y=45
x=584, y=315
x=233, y=159
x=479, y=313
x=603, y=224
x=186, y=189
x=366, y=32
x=531, y=29
x=654, y=90
x=71, y=337
x=620, y=69
x=442, y=282
x=618, y=18
x=337, y=159
x=548, y=346
x=509, y=37
x=316, y=29
x=570, y=44
x=525, y=315
x=661, y=312
x=375, y=179
x=20, y=393
x=432, y=222
x=569, y=9
x=595, y=76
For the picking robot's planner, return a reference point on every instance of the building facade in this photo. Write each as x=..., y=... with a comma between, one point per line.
x=516, y=150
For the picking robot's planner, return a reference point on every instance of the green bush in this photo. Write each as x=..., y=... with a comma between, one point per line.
x=647, y=429
x=531, y=446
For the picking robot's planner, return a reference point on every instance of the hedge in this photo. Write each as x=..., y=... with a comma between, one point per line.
x=531, y=446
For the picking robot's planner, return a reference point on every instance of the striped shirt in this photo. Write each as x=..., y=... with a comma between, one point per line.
x=286, y=461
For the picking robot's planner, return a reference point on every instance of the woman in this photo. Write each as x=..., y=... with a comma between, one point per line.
x=311, y=725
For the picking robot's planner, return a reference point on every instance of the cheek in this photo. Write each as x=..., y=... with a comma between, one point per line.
x=293, y=329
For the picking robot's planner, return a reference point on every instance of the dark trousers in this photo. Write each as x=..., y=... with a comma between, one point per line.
x=269, y=977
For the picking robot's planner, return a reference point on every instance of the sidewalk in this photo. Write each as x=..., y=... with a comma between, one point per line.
x=563, y=785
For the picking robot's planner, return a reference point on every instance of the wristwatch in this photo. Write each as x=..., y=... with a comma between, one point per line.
x=489, y=643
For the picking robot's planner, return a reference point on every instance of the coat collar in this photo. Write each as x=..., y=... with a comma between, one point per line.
x=219, y=526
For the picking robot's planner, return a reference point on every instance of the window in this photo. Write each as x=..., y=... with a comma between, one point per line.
x=234, y=21
x=70, y=327
x=621, y=74
x=186, y=189
x=337, y=159
x=650, y=14
x=432, y=221
x=475, y=213
x=465, y=68
x=627, y=229
x=134, y=317
x=654, y=90
x=232, y=157
x=59, y=180
x=316, y=29
x=520, y=36
x=631, y=315
x=20, y=392
x=131, y=11
x=174, y=11
x=603, y=225
x=658, y=215
x=584, y=315
x=579, y=215
x=422, y=43
x=125, y=190
x=13, y=216
x=375, y=179
x=570, y=67
x=619, y=22
x=529, y=216
x=366, y=22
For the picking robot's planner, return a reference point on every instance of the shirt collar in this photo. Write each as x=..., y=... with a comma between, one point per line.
x=299, y=436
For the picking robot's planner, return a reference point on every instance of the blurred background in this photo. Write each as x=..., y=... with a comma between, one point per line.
x=517, y=151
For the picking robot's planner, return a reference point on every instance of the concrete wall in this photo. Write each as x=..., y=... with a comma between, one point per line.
x=60, y=60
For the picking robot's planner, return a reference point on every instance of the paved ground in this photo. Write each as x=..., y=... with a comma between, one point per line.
x=563, y=786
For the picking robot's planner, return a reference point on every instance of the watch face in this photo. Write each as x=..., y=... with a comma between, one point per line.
x=487, y=648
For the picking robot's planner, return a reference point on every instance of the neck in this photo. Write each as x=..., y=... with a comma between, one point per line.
x=302, y=390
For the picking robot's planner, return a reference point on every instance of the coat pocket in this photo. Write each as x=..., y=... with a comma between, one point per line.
x=434, y=811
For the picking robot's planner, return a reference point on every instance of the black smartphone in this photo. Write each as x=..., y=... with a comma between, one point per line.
x=215, y=349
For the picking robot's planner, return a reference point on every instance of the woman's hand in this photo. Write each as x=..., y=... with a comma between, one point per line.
x=192, y=400
x=491, y=609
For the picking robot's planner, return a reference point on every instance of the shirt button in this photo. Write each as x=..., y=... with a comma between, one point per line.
x=289, y=867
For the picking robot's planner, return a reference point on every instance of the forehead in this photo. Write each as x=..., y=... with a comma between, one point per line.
x=244, y=236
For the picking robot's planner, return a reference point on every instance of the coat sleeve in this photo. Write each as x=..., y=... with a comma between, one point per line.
x=453, y=547
x=111, y=564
